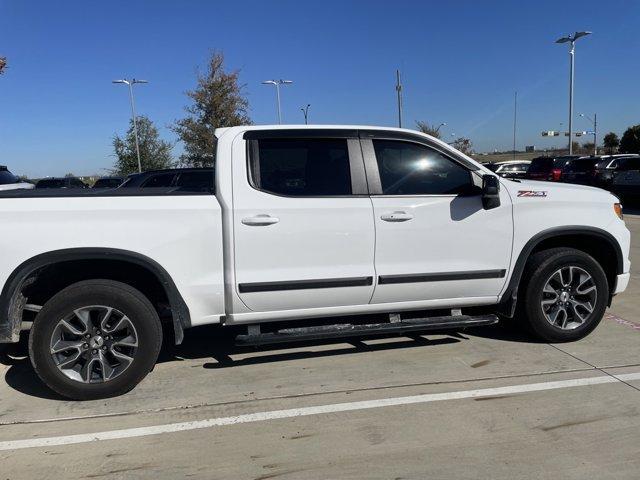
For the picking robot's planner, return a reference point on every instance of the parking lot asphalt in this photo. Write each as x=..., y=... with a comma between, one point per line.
x=483, y=403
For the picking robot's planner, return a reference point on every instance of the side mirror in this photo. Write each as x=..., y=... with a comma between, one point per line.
x=490, y=192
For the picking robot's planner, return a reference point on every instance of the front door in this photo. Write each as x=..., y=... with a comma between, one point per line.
x=434, y=240
x=303, y=223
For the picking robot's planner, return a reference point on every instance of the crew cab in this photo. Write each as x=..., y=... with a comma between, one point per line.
x=311, y=232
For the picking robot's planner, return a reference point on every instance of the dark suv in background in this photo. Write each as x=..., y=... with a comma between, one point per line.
x=62, y=182
x=608, y=165
x=548, y=168
x=182, y=179
x=580, y=170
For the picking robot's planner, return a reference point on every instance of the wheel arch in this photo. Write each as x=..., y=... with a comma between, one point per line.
x=12, y=301
x=592, y=240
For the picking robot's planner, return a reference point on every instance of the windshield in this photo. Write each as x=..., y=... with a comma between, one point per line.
x=6, y=177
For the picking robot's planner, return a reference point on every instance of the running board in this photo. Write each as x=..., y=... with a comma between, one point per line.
x=343, y=330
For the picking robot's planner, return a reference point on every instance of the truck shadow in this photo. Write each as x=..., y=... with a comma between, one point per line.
x=217, y=343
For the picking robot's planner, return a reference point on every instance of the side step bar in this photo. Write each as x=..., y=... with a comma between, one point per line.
x=344, y=330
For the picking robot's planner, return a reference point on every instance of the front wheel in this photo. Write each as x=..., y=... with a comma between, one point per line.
x=565, y=294
x=95, y=339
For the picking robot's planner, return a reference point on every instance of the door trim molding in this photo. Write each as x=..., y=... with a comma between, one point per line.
x=441, y=276
x=305, y=284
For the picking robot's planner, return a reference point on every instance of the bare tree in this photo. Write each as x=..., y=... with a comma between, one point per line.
x=463, y=145
x=428, y=128
x=3, y=64
x=217, y=101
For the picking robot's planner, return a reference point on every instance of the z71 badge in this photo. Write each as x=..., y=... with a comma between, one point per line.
x=532, y=193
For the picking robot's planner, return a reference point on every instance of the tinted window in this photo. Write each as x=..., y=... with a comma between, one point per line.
x=540, y=165
x=412, y=169
x=157, y=181
x=196, y=181
x=7, y=177
x=582, y=165
x=51, y=183
x=629, y=163
x=302, y=167
x=77, y=183
x=107, y=183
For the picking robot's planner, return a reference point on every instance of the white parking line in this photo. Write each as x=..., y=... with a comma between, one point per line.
x=306, y=411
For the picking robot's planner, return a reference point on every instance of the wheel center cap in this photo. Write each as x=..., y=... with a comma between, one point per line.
x=564, y=297
x=96, y=342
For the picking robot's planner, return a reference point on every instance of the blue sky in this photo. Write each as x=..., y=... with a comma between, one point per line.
x=461, y=63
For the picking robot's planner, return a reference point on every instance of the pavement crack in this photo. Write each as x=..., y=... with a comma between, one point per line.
x=593, y=366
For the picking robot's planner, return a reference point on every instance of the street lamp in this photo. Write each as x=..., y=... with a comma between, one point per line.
x=571, y=39
x=593, y=120
x=131, y=83
x=277, y=84
x=440, y=126
x=305, y=112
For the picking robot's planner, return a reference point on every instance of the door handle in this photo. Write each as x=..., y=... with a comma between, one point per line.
x=260, y=220
x=396, y=217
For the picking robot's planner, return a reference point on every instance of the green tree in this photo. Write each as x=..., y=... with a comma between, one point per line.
x=611, y=142
x=217, y=101
x=630, y=141
x=428, y=128
x=154, y=152
x=463, y=145
x=3, y=64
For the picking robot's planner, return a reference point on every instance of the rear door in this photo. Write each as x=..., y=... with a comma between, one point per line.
x=434, y=240
x=303, y=223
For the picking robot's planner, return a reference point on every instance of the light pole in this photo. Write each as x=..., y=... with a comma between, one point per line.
x=571, y=39
x=305, y=112
x=277, y=84
x=593, y=120
x=399, y=92
x=440, y=126
x=131, y=83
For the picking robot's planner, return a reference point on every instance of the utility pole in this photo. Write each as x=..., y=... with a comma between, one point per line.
x=399, y=90
x=515, y=119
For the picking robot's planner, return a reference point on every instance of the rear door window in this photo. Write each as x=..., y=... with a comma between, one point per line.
x=302, y=167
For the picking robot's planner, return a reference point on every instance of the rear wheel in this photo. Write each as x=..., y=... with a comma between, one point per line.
x=565, y=294
x=95, y=339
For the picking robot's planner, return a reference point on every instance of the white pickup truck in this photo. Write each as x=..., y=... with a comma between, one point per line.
x=346, y=230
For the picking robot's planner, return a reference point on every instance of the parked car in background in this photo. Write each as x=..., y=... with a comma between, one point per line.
x=182, y=179
x=513, y=168
x=580, y=170
x=62, y=182
x=8, y=181
x=610, y=164
x=548, y=168
x=108, y=182
x=626, y=180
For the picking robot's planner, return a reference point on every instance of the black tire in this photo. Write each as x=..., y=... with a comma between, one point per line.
x=120, y=296
x=539, y=269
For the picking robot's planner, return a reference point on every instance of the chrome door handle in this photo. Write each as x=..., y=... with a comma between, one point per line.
x=396, y=217
x=260, y=220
